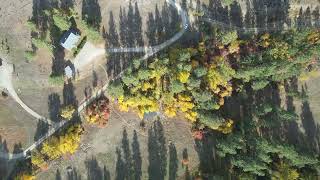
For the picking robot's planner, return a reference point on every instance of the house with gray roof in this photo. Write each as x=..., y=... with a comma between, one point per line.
x=70, y=39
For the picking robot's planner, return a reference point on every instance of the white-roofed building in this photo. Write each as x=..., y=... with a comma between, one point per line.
x=68, y=72
x=69, y=40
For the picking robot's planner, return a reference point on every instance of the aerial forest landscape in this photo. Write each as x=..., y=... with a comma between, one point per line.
x=160, y=89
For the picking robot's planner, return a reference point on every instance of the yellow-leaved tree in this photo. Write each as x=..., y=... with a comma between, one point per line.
x=67, y=112
x=37, y=159
x=63, y=144
x=25, y=176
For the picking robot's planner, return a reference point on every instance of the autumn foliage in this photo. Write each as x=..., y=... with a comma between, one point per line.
x=98, y=112
x=57, y=146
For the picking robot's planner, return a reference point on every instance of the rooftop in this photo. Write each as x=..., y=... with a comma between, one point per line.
x=69, y=40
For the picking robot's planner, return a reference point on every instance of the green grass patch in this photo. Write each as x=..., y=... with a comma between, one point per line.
x=41, y=43
x=32, y=26
x=92, y=34
x=29, y=55
x=56, y=80
x=227, y=2
x=61, y=22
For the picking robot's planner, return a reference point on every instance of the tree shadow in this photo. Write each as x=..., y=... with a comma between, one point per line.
x=129, y=162
x=211, y=165
x=91, y=13
x=3, y=167
x=94, y=171
x=106, y=174
x=312, y=129
x=58, y=175
x=112, y=41
x=54, y=106
x=127, y=156
x=173, y=162
x=66, y=4
x=120, y=166
x=136, y=157
x=73, y=174
x=3, y=145
x=42, y=128
x=69, y=97
x=157, y=151
x=94, y=79
x=3, y=162
x=58, y=62
x=17, y=167
x=294, y=135
x=260, y=16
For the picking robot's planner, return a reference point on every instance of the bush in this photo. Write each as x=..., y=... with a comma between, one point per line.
x=31, y=25
x=41, y=43
x=29, y=55
x=61, y=22
x=98, y=112
x=80, y=46
x=92, y=34
x=229, y=37
x=115, y=89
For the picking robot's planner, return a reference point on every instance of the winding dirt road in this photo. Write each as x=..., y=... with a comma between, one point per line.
x=6, y=71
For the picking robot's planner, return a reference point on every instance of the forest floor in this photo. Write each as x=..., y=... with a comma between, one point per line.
x=99, y=146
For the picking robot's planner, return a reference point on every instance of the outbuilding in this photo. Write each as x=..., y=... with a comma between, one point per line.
x=70, y=39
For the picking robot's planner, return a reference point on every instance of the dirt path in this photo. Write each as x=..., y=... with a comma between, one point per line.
x=6, y=71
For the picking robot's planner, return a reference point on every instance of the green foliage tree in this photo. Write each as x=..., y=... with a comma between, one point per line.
x=200, y=71
x=210, y=119
x=229, y=37
x=115, y=89
x=177, y=87
x=60, y=21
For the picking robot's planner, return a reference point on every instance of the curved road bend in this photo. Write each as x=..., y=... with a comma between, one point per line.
x=149, y=51
x=6, y=71
x=83, y=59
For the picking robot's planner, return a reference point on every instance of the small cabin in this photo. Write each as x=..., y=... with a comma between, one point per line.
x=68, y=72
x=70, y=40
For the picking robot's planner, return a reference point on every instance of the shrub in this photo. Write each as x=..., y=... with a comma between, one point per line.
x=229, y=37
x=41, y=43
x=61, y=22
x=80, y=46
x=31, y=25
x=92, y=34
x=29, y=55
x=98, y=112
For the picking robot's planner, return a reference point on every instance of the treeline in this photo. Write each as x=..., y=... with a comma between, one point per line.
x=260, y=15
